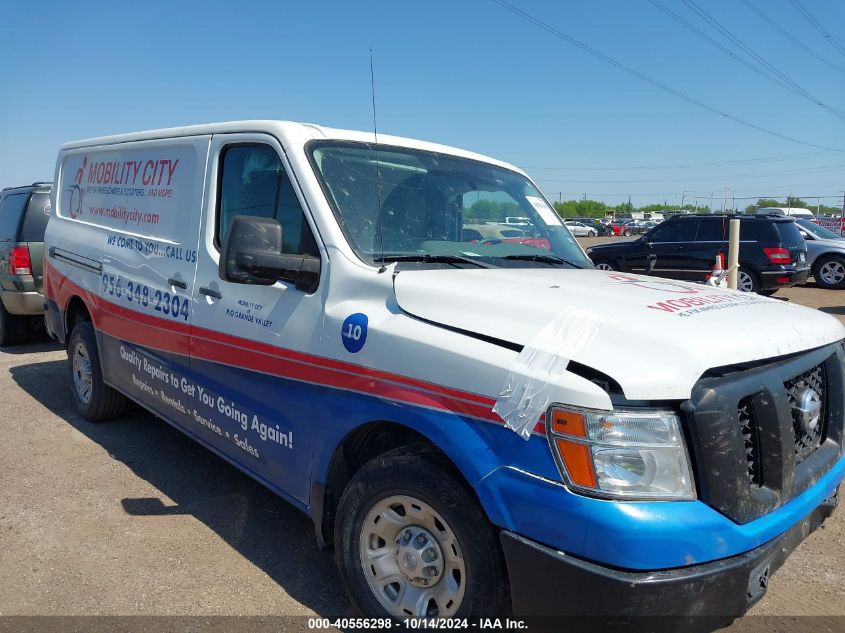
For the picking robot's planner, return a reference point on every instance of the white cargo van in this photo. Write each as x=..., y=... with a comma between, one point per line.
x=797, y=212
x=478, y=425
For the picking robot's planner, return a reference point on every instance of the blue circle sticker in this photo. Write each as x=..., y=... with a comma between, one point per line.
x=353, y=333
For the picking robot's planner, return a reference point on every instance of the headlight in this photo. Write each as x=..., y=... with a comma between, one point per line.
x=626, y=454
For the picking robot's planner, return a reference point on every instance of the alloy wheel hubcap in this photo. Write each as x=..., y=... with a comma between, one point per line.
x=411, y=559
x=82, y=375
x=603, y=266
x=832, y=272
x=744, y=283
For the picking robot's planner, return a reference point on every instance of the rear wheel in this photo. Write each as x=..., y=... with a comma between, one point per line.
x=746, y=281
x=591, y=233
x=12, y=327
x=830, y=272
x=626, y=233
x=604, y=265
x=412, y=541
x=94, y=399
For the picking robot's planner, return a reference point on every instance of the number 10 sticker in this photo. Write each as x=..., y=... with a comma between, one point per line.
x=354, y=332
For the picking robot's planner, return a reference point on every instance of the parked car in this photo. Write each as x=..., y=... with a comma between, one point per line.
x=602, y=229
x=772, y=253
x=632, y=227
x=825, y=254
x=478, y=429
x=579, y=229
x=620, y=227
x=24, y=212
x=488, y=234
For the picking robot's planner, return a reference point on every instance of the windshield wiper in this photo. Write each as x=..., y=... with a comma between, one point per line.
x=434, y=259
x=545, y=259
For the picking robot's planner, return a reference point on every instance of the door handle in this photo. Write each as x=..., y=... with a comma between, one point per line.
x=177, y=283
x=210, y=292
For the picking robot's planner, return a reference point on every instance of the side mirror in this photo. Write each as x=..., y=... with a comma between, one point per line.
x=252, y=254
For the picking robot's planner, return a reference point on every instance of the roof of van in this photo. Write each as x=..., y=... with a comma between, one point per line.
x=302, y=132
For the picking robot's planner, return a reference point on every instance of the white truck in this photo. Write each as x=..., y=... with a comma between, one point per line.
x=479, y=427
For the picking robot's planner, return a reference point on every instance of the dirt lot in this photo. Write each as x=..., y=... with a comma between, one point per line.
x=131, y=517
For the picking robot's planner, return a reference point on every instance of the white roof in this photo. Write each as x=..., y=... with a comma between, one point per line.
x=284, y=130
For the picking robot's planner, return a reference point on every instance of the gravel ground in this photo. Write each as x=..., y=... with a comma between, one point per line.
x=132, y=518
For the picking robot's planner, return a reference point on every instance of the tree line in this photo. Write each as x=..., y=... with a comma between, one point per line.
x=587, y=208
x=491, y=210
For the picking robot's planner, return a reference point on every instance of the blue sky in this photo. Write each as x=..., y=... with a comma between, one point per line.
x=461, y=72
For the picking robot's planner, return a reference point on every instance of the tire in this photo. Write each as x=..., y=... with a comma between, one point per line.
x=93, y=398
x=408, y=502
x=829, y=272
x=626, y=233
x=591, y=233
x=747, y=280
x=12, y=328
x=603, y=264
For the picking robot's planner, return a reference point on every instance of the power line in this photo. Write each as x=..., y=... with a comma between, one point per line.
x=815, y=24
x=657, y=84
x=576, y=196
x=744, y=161
x=774, y=79
x=790, y=36
x=761, y=60
x=791, y=172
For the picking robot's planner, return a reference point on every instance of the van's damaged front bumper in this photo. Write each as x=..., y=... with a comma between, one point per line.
x=547, y=584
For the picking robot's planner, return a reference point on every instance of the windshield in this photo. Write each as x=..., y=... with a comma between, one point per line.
x=819, y=231
x=401, y=203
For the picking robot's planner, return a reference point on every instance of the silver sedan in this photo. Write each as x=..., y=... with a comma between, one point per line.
x=825, y=254
x=579, y=229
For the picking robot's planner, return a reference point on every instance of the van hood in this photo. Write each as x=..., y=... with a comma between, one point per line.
x=654, y=336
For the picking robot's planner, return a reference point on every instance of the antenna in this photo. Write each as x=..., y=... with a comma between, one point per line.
x=373, y=93
x=378, y=168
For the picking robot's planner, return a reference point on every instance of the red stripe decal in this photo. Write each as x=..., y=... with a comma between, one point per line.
x=180, y=338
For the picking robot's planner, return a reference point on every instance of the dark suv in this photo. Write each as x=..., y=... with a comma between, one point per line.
x=24, y=212
x=772, y=253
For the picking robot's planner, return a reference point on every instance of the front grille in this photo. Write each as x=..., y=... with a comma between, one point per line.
x=763, y=434
x=745, y=413
x=808, y=433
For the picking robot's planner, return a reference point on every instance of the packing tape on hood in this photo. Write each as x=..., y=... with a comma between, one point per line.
x=526, y=393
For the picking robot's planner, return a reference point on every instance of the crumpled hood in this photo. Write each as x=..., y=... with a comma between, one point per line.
x=654, y=336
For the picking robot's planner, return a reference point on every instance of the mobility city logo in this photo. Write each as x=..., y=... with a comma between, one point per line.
x=706, y=300
x=150, y=178
x=75, y=190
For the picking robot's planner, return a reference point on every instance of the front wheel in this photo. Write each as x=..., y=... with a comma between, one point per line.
x=591, y=233
x=94, y=399
x=412, y=541
x=830, y=273
x=626, y=233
